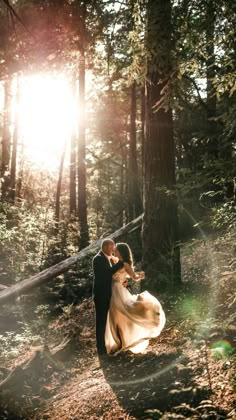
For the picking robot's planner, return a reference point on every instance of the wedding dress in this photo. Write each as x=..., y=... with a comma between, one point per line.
x=132, y=319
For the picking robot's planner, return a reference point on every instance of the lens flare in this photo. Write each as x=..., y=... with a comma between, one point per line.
x=222, y=349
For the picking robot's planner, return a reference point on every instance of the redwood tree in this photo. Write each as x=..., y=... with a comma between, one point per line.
x=12, y=192
x=82, y=195
x=134, y=198
x=59, y=184
x=73, y=151
x=161, y=254
x=6, y=142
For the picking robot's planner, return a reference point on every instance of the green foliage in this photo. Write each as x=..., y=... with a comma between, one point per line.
x=22, y=241
x=13, y=344
x=63, y=240
x=208, y=194
x=29, y=240
x=224, y=216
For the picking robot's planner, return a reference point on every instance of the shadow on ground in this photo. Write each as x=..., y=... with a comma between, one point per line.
x=149, y=385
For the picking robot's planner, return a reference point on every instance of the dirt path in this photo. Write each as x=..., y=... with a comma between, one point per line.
x=172, y=378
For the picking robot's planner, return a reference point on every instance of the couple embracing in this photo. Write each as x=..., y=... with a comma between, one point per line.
x=123, y=321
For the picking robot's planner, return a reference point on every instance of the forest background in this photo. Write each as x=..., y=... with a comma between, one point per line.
x=109, y=110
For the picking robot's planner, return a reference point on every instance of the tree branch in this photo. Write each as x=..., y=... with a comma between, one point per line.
x=201, y=101
x=13, y=12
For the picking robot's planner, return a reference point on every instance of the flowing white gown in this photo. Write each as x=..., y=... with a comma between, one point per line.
x=132, y=319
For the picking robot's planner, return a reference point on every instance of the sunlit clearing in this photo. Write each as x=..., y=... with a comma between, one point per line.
x=47, y=114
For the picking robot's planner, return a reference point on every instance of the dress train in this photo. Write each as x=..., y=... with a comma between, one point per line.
x=132, y=319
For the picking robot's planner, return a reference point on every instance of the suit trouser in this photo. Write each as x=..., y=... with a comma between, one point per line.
x=101, y=310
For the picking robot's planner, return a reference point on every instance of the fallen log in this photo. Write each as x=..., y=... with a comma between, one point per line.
x=23, y=371
x=4, y=370
x=61, y=352
x=13, y=377
x=44, y=276
x=31, y=370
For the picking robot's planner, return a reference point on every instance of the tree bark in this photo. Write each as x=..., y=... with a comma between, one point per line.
x=27, y=285
x=6, y=141
x=134, y=199
x=59, y=183
x=12, y=192
x=122, y=184
x=73, y=162
x=161, y=256
x=72, y=175
x=126, y=185
x=82, y=194
x=143, y=132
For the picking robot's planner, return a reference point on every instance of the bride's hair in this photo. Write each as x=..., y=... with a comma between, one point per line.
x=125, y=253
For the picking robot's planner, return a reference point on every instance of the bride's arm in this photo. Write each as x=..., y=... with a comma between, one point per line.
x=114, y=259
x=132, y=274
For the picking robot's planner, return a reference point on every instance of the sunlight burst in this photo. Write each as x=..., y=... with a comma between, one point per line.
x=47, y=115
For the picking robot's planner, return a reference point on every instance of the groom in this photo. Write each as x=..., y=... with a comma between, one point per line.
x=103, y=271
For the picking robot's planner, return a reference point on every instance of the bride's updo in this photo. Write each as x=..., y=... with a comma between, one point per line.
x=125, y=253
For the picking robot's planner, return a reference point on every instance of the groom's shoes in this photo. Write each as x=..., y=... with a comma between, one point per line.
x=103, y=357
x=106, y=359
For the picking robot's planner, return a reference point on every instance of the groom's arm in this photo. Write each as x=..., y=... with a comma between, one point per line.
x=101, y=266
x=114, y=268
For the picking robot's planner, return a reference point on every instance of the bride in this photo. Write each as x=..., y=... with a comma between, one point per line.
x=132, y=319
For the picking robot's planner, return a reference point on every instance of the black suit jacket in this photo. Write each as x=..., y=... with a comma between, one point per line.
x=103, y=277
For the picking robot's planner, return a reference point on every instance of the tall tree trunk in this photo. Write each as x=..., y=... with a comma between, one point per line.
x=143, y=131
x=126, y=185
x=20, y=174
x=212, y=143
x=12, y=192
x=59, y=183
x=161, y=256
x=6, y=142
x=82, y=195
x=122, y=184
x=134, y=199
x=72, y=175
x=73, y=164
x=98, y=205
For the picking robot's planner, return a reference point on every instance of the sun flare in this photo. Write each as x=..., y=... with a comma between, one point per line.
x=47, y=115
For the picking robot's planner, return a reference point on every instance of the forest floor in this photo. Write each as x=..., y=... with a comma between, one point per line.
x=187, y=373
